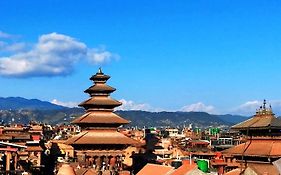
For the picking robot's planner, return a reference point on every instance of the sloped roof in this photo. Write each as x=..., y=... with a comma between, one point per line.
x=100, y=88
x=12, y=144
x=33, y=148
x=259, y=122
x=100, y=76
x=185, y=168
x=66, y=169
x=236, y=171
x=263, y=119
x=100, y=101
x=100, y=117
x=86, y=171
x=99, y=136
x=195, y=171
x=154, y=169
x=277, y=164
x=257, y=148
x=5, y=137
x=263, y=168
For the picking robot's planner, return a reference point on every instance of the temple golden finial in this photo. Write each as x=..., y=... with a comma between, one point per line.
x=264, y=104
x=100, y=71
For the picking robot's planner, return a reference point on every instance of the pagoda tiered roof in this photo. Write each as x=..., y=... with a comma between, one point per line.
x=100, y=117
x=99, y=123
x=100, y=102
x=100, y=88
x=100, y=105
x=101, y=137
x=263, y=119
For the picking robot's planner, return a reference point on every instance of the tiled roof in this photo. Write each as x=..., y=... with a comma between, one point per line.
x=99, y=136
x=259, y=121
x=22, y=136
x=185, y=168
x=262, y=148
x=154, y=169
x=195, y=171
x=13, y=128
x=100, y=101
x=86, y=171
x=5, y=137
x=112, y=152
x=66, y=169
x=100, y=77
x=100, y=117
x=204, y=153
x=33, y=148
x=263, y=168
x=236, y=171
x=100, y=88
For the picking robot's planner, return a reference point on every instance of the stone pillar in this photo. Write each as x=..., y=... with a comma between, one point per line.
x=15, y=160
x=81, y=157
x=112, y=163
x=105, y=163
x=91, y=161
x=8, y=159
x=119, y=162
x=98, y=163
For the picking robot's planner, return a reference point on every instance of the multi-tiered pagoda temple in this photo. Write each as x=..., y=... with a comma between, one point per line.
x=99, y=142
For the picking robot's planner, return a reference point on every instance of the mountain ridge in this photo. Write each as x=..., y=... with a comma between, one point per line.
x=23, y=110
x=16, y=103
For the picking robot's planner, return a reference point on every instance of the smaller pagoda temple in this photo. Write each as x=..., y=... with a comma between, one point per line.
x=99, y=144
x=263, y=123
x=261, y=135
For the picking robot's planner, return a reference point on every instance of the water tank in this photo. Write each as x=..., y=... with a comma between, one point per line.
x=176, y=163
x=203, y=165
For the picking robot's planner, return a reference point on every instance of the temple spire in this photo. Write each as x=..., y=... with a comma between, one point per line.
x=264, y=104
x=99, y=71
x=264, y=110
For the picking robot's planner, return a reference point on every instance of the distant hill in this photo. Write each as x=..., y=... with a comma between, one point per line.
x=16, y=103
x=232, y=118
x=200, y=119
x=23, y=110
x=143, y=118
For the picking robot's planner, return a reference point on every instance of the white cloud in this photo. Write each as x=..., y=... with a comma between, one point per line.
x=6, y=35
x=198, y=107
x=53, y=55
x=249, y=108
x=66, y=104
x=99, y=56
x=12, y=47
x=131, y=105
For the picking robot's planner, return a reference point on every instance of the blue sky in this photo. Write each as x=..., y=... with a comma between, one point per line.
x=215, y=56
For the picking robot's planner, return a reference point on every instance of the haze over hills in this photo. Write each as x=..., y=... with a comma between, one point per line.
x=23, y=110
x=16, y=103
